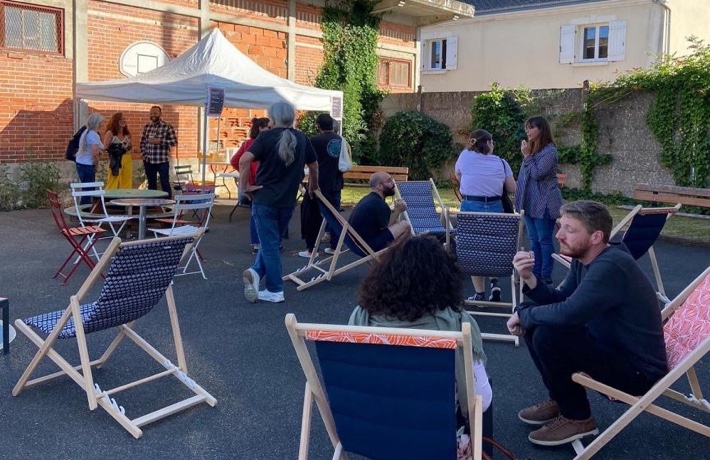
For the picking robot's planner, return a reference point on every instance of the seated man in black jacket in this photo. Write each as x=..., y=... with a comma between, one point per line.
x=603, y=320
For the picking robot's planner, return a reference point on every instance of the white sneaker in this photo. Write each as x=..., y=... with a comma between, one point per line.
x=330, y=251
x=306, y=254
x=251, y=284
x=269, y=296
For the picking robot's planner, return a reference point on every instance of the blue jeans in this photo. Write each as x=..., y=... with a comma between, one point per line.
x=540, y=234
x=254, y=236
x=480, y=206
x=87, y=173
x=271, y=224
x=333, y=199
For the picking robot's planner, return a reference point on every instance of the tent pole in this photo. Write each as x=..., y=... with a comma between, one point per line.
x=204, y=145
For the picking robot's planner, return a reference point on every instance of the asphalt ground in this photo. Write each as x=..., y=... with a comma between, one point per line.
x=241, y=353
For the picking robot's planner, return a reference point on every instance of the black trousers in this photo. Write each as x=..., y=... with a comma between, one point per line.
x=560, y=352
x=151, y=173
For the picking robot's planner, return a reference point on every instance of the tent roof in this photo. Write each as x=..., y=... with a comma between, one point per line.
x=212, y=62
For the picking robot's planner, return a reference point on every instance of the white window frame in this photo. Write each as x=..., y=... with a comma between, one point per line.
x=449, y=60
x=597, y=37
x=572, y=38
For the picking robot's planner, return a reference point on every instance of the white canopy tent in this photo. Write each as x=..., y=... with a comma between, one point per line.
x=213, y=62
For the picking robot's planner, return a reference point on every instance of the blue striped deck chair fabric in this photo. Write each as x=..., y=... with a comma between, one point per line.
x=385, y=393
x=348, y=241
x=137, y=276
x=422, y=197
x=485, y=246
x=638, y=231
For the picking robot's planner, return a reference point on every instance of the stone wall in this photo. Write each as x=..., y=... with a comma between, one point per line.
x=623, y=133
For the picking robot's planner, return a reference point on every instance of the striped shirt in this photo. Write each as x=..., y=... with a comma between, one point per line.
x=538, y=193
x=157, y=153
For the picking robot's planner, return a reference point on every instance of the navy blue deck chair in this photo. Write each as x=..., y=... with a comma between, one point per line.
x=348, y=241
x=638, y=231
x=138, y=275
x=422, y=197
x=385, y=392
x=485, y=246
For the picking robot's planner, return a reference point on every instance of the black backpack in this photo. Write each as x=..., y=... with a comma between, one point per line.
x=73, y=145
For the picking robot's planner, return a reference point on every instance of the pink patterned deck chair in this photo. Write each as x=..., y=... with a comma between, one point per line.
x=368, y=398
x=138, y=275
x=687, y=336
x=348, y=241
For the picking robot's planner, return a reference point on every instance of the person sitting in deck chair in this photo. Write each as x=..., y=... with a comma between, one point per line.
x=373, y=220
x=602, y=320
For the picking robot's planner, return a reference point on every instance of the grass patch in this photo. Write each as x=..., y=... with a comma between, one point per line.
x=690, y=230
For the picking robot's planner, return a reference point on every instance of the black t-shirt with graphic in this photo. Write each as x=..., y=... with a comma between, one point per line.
x=327, y=146
x=280, y=182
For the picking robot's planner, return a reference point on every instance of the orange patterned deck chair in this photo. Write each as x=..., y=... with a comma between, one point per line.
x=138, y=275
x=367, y=398
x=348, y=241
x=687, y=336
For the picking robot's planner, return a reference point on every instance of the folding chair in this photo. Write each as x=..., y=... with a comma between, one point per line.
x=180, y=227
x=138, y=275
x=327, y=268
x=422, y=197
x=185, y=183
x=367, y=398
x=97, y=215
x=641, y=228
x=687, y=336
x=82, y=239
x=485, y=246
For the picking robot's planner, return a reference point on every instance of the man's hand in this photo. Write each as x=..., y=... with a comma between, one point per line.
x=400, y=206
x=523, y=261
x=514, y=326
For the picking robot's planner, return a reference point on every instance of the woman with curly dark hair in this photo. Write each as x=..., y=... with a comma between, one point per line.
x=417, y=285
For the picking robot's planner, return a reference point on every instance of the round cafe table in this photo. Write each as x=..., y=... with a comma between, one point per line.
x=143, y=204
x=120, y=193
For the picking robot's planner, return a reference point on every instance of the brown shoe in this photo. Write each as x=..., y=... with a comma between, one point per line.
x=562, y=431
x=539, y=414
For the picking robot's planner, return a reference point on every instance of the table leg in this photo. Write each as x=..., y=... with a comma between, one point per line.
x=141, y=223
x=5, y=305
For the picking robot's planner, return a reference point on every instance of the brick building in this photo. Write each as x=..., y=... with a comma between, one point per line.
x=48, y=45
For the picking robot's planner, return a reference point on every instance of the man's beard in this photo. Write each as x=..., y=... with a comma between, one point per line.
x=154, y=119
x=576, y=252
x=388, y=192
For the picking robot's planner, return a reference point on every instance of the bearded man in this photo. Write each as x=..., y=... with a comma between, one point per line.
x=602, y=320
x=373, y=220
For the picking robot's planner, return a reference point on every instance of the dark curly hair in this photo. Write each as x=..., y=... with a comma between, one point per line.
x=414, y=278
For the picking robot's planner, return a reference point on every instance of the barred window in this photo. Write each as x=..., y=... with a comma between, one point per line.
x=29, y=27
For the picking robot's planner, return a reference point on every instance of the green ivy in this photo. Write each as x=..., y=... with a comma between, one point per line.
x=350, y=32
x=415, y=140
x=37, y=179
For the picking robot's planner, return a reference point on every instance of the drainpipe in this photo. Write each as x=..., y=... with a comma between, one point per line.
x=666, y=26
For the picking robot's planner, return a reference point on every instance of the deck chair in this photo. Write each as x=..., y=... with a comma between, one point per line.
x=687, y=336
x=422, y=197
x=138, y=275
x=367, y=398
x=82, y=239
x=97, y=215
x=200, y=204
x=348, y=240
x=485, y=246
x=638, y=231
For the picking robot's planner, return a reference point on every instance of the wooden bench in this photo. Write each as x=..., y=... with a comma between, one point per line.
x=360, y=175
x=671, y=194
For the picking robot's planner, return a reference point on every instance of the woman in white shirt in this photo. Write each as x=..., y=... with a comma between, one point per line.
x=87, y=158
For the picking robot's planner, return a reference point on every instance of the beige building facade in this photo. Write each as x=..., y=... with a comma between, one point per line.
x=556, y=46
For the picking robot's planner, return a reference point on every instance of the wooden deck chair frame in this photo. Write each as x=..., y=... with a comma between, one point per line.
x=178, y=227
x=436, y=201
x=315, y=392
x=82, y=374
x=624, y=224
x=515, y=286
x=327, y=268
x=662, y=387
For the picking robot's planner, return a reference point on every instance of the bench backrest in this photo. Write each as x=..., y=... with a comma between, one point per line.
x=363, y=172
x=673, y=194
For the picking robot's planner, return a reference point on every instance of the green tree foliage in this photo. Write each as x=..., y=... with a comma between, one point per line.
x=415, y=140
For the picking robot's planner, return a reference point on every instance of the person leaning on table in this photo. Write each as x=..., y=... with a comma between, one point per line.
x=602, y=320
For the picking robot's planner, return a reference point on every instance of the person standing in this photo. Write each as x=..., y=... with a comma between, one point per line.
x=87, y=157
x=538, y=193
x=282, y=153
x=327, y=146
x=602, y=320
x=157, y=140
x=118, y=139
x=483, y=178
x=258, y=125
